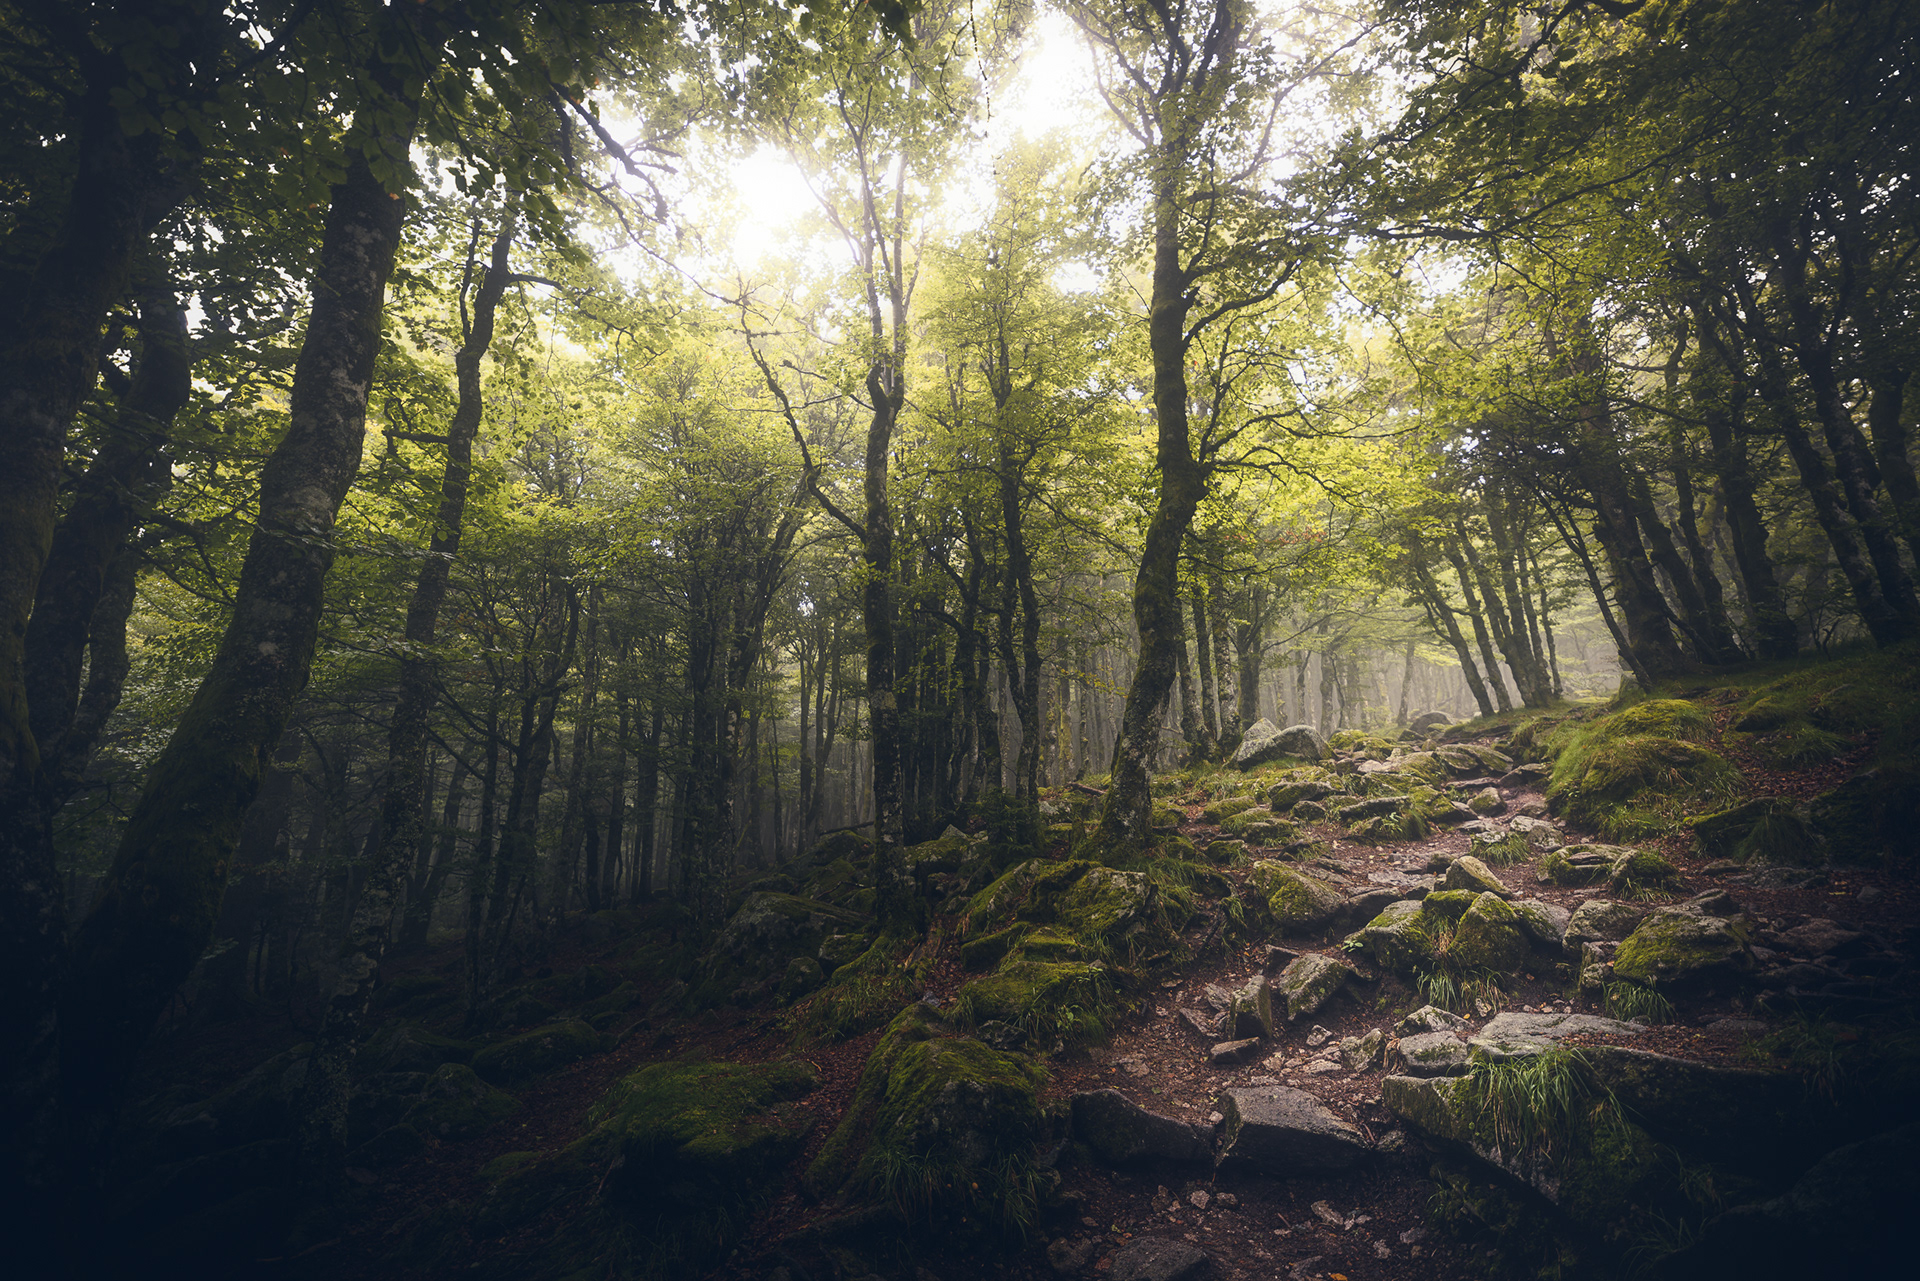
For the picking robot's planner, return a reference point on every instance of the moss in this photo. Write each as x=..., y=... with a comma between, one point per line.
x=1798, y=745
x=1401, y=825
x=1448, y=905
x=993, y=908
x=679, y=1157
x=940, y=1127
x=456, y=1105
x=1872, y=817
x=990, y=949
x=865, y=992
x=1221, y=810
x=1637, y=772
x=1489, y=936
x=751, y=953
x=1638, y=871
x=1069, y=1003
x=1503, y=850
x=1676, y=948
x=1225, y=852
x=1046, y=944
x=533, y=1053
x=1298, y=904
x=1393, y=938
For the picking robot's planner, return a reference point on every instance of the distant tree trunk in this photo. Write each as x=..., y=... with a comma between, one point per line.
x=1225, y=663
x=647, y=802
x=1192, y=729
x=1203, y=663
x=1442, y=615
x=1478, y=619
x=571, y=833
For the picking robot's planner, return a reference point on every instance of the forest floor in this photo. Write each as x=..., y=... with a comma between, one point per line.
x=1369, y=1224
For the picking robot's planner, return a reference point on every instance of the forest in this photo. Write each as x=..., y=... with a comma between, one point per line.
x=919, y=640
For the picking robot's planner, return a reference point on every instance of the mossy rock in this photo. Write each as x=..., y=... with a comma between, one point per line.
x=1577, y=865
x=1675, y=948
x=803, y=976
x=1500, y=849
x=1221, y=810
x=1396, y=938
x=940, y=1130
x=415, y=995
x=840, y=845
x=752, y=951
x=456, y=1105
x=680, y=1156
x=1460, y=761
x=400, y=1047
x=837, y=950
x=1225, y=852
x=1427, y=767
x=1798, y=745
x=1639, y=771
x=1072, y=1002
x=1249, y=817
x=1766, y=830
x=1489, y=936
x=537, y=1052
x=1637, y=871
x=994, y=907
x=1448, y=906
x=1309, y=812
x=1401, y=825
x=944, y=853
x=1048, y=944
x=1872, y=818
x=989, y=950
x=1289, y=792
x=1298, y=904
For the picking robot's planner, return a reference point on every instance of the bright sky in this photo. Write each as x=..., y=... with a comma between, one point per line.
x=1053, y=88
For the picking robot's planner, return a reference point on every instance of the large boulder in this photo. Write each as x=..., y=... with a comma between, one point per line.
x=1397, y=937
x=1516, y=1035
x=1846, y=1216
x=1158, y=1259
x=1046, y=1000
x=1310, y=981
x=1263, y=742
x=1544, y=924
x=679, y=1157
x=1677, y=948
x=1119, y=1130
x=456, y=1105
x=760, y=938
x=1489, y=936
x=960, y=1115
x=1603, y=919
x=1251, y=1014
x=1284, y=795
x=1299, y=904
x=1432, y=1054
x=1286, y=1131
x=537, y=1052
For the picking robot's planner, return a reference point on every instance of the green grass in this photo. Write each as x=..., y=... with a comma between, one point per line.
x=1538, y=1103
x=1627, y=1001
x=1442, y=980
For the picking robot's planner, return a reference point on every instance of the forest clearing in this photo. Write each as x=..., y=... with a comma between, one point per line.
x=933, y=641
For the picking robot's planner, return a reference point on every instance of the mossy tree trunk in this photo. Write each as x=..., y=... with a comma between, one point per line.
x=156, y=909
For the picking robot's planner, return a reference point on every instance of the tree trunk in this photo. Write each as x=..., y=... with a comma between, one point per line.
x=156, y=910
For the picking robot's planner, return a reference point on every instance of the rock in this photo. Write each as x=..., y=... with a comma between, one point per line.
x=1540, y=833
x=1263, y=743
x=1846, y=1216
x=1299, y=904
x=1433, y=1054
x=1487, y=801
x=760, y=937
x=403, y=1048
x=1519, y=1036
x=1394, y=937
x=1470, y=873
x=681, y=1156
x=954, y=1108
x=1676, y=948
x=1224, y=851
x=456, y=1105
x=1603, y=919
x=1489, y=936
x=1234, y=1053
x=1318, y=1036
x=1310, y=982
x=1287, y=1131
x=1119, y=1130
x=1373, y=807
x=1500, y=848
x=1277, y=958
x=1066, y=1256
x=1358, y=1053
x=1820, y=937
x=1534, y=774
x=803, y=975
x=1283, y=796
x=837, y=950
x=1207, y=1025
x=532, y=1053
x=1226, y=807
x=1637, y=870
x=1429, y=1018
x=1426, y=721
x=1544, y=924
x=1157, y=1259
x=1369, y=903
x=1251, y=1014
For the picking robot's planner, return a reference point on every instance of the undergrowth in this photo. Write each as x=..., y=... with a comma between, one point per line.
x=1442, y=979
x=1627, y=1001
x=1539, y=1102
